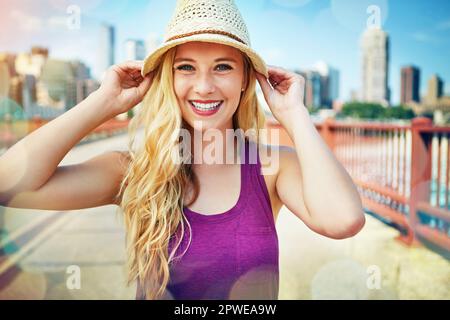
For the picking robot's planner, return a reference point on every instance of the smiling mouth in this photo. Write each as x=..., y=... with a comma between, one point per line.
x=206, y=106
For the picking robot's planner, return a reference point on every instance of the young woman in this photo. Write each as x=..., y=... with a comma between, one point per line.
x=194, y=230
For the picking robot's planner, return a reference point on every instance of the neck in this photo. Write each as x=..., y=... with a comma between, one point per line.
x=214, y=148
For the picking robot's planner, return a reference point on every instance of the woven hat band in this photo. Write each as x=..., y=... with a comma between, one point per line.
x=207, y=31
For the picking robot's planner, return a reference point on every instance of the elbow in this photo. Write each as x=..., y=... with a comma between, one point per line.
x=356, y=225
x=347, y=229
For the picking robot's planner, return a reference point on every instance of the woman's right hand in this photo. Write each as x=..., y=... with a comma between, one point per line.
x=125, y=86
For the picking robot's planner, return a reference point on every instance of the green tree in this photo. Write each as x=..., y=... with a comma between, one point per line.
x=362, y=110
x=399, y=112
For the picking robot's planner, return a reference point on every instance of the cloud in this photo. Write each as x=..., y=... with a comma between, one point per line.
x=27, y=22
x=57, y=22
x=444, y=25
x=31, y=23
x=424, y=37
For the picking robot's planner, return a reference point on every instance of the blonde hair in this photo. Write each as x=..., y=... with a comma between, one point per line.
x=154, y=185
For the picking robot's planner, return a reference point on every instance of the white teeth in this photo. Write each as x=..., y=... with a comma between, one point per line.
x=205, y=106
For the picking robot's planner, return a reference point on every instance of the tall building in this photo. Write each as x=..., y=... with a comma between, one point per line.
x=313, y=88
x=134, y=50
x=375, y=66
x=80, y=70
x=39, y=51
x=28, y=92
x=329, y=83
x=57, y=85
x=10, y=60
x=31, y=63
x=410, y=85
x=435, y=89
x=4, y=79
x=106, y=49
x=16, y=89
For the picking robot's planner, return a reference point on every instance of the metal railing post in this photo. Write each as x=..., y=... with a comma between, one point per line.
x=421, y=166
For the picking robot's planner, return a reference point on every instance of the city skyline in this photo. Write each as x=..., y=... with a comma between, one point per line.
x=315, y=19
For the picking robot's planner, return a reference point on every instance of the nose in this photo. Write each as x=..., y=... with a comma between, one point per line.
x=204, y=85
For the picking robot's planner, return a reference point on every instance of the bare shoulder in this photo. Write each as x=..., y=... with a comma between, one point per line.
x=120, y=160
x=274, y=157
x=117, y=163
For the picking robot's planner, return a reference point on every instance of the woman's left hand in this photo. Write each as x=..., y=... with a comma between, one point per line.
x=285, y=93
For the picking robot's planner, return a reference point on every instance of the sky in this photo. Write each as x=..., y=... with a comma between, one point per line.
x=293, y=34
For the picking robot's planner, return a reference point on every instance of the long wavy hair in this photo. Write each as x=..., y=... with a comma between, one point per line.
x=155, y=185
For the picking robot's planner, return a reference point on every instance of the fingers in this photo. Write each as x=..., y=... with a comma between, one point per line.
x=133, y=67
x=145, y=84
x=132, y=64
x=265, y=87
x=278, y=75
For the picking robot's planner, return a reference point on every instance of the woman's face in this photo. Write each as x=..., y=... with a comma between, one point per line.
x=208, y=82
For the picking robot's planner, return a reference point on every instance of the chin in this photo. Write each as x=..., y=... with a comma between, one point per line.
x=206, y=124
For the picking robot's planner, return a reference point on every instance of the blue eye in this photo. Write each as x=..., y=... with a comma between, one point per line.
x=183, y=67
x=187, y=67
x=226, y=66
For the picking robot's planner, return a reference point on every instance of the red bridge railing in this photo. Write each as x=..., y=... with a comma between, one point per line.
x=13, y=131
x=401, y=171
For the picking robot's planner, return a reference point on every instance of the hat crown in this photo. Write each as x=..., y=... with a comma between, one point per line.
x=207, y=16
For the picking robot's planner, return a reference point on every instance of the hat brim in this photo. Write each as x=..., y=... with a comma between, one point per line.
x=153, y=59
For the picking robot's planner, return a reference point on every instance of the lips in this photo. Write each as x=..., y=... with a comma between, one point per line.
x=205, y=107
x=205, y=101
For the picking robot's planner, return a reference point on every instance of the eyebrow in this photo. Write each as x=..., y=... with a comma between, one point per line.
x=217, y=60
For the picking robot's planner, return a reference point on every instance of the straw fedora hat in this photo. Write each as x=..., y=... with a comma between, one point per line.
x=216, y=21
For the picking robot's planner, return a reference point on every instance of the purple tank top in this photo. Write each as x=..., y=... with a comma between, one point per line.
x=234, y=254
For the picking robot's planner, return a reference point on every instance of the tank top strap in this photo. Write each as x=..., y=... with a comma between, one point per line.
x=245, y=167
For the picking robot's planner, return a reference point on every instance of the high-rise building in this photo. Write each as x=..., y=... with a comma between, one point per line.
x=28, y=92
x=314, y=89
x=4, y=79
x=375, y=66
x=134, y=50
x=410, y=85
x=80, y=70
x=329, y=83
x=57, y=85
x=435, y=89
x=10, y=60
x=106, y=49
x=16, y=89
x=39, y=51
x=30, y=63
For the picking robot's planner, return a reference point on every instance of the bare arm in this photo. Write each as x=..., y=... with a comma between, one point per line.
x=29, y=172
x=30, y=163
x=89, y=184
